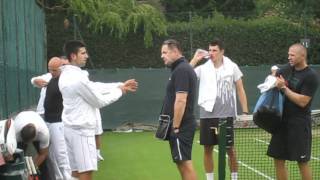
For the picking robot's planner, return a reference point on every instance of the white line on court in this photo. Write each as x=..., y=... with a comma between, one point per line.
x=259, y=140
x=265, y=142
x=256, y=171
x=250, y=168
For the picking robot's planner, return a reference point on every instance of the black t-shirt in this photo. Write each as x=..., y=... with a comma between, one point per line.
x=303, y=82
x=182, y=79
x=53, y=102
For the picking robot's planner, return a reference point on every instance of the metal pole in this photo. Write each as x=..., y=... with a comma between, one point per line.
x=191, y=35
x=74, y=27
x=222, y=149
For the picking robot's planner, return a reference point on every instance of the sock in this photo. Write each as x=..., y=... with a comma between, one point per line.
x=210, y=176
x=234, y=176
x=99, y=157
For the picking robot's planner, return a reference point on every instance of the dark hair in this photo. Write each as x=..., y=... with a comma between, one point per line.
x=28, y=132
x=217, y=42
x=72, y=46
x=172, y=43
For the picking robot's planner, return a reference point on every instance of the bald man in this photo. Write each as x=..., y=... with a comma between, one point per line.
x=298, y=83
x=42, y=80
x=52, y=110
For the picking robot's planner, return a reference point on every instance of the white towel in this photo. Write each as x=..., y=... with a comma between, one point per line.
x=269, y=83
x=207, y=85
x=208, y=82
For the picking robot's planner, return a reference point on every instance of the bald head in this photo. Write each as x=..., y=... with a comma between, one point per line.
x=54, y=66
x=297, y=56
x=55, y=62
x=300, y=49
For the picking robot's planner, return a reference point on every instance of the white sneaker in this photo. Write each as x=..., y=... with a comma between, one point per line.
x=99, y=157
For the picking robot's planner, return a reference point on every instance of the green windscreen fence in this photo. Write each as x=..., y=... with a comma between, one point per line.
x=144, y=105
x=22, y=53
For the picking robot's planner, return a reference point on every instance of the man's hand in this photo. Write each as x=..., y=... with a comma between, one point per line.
x=281, y=82
x=130, y=85
x=40, y=82
x=197, y=57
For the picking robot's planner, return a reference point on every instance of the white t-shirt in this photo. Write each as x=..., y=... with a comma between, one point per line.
x=42, y=132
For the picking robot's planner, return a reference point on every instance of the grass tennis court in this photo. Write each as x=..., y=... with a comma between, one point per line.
x=139, y=156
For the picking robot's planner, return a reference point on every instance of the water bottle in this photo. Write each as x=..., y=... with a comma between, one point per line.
x=204, y=52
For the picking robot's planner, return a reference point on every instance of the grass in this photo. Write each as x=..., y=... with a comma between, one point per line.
x=139, y=156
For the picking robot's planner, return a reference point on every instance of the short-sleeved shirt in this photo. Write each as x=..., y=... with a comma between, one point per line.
x=303, y=82
x=31, y=117
x=182, y=79
x=225, y=104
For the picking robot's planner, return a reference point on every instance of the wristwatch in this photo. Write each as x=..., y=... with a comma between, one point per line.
x=175, y=129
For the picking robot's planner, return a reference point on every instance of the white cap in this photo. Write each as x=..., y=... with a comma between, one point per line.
x=273, y=68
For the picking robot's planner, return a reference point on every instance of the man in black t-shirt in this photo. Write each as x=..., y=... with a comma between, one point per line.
x=292, y=141
x=178, y=104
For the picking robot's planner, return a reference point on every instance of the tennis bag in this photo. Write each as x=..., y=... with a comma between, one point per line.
x=267, y=113
x=163, y=129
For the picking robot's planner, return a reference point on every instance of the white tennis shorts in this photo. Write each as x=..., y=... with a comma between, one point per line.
x=81, y=150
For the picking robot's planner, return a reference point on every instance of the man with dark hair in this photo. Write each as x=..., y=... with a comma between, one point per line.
x=28, y=132
x=178, y=105
x=220, y=79
x=298, y=83
x=81, y=100
x=30, y=128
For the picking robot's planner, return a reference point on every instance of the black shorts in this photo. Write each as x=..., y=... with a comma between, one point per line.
x=209, y=128
x=181, y=145
x=292, y=141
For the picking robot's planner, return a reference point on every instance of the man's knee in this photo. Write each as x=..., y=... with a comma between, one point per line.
x=208, y=149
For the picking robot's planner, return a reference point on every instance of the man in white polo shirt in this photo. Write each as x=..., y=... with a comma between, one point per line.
x=81, y=99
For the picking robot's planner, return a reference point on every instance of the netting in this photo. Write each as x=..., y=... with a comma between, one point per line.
x=251, y=146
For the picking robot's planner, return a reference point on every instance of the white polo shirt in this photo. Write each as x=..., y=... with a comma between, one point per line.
x=81, y=98
x=42, y=132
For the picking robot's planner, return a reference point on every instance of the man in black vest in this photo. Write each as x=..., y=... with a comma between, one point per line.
x=52, y=115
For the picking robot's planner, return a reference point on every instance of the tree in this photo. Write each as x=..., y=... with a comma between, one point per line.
x=177, y=10
x=296, y=8
x=236, y=8
x=118, y=17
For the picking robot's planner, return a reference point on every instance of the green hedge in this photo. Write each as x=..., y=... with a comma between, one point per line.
x=248, y=42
